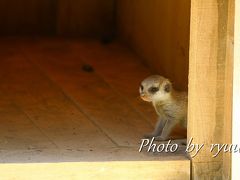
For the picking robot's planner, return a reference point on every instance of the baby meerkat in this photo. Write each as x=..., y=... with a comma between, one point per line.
x=170, y=105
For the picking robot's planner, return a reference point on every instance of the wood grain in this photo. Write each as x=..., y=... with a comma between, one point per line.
x=27, y=17
x=46, y=105
x=209, y=77
x=123, y=71
x=235, y=163
x=57, y=17
x=92, y=94
x=171, y=170
x=59, y=122
x=19, y=134
x=159, y=32
x=228, y=99
x=85, y=17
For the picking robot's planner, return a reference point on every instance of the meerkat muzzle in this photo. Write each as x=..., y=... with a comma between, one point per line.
x=144, y=97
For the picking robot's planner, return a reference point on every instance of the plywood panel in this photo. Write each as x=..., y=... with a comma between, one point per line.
x=159, y=32
x=17, y=131
x=85, y=17
x=52, y=17
x=121, y=69
x=27, y=17
x=91, y=93
x=45, y=104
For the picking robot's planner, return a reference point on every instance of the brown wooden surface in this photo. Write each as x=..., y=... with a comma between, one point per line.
x=85, y=17
x=27, y=17
x=159, y=32
x=57, y=17
x=46, y=105
x=52, y=111
x=21, y=133
x=90, y=93
x=123, y=71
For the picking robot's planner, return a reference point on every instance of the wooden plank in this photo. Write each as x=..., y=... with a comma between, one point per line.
x=210, y=44
x=120, y=68
x=17, y=131
x=22, y=142
x=27, y=17
x=93, y=95
x=235, y=164
x=172, y=170
x=159, y=32
x=228, y=99
x=84, y=154
x=46, y=105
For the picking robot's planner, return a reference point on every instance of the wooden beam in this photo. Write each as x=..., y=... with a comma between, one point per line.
x=228, y=99
x=209, y=76
x=236, y=92
x=98, y=170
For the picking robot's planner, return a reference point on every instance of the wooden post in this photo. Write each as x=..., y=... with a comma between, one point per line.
x=210, y=84
x=228, y=99
x=236, y=92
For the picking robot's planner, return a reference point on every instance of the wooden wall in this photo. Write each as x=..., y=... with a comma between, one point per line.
x=159, y=32
x=27, y=17
x=62, y=17
x=235, y=159
x=85, y=17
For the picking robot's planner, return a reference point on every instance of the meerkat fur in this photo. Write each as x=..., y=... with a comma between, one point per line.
x=170, y=105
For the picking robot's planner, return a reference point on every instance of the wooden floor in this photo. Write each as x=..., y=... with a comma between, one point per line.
x=51, y=110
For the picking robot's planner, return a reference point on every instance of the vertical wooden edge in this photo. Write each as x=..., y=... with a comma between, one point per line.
x=228, y=90
x=236, y=93
x=211, y=64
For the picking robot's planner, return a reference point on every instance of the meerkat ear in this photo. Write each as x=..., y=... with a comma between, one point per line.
x=168, y=87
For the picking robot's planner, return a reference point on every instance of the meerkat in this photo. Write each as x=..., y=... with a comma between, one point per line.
x=170, y=105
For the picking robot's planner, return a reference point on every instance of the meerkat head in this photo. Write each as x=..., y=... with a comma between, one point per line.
x=155, y=88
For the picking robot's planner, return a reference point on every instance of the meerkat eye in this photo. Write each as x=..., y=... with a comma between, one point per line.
x=153, y=89
x=141, y=87
x=167, y=87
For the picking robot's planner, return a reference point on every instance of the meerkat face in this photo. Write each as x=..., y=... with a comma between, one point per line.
x=155, y=87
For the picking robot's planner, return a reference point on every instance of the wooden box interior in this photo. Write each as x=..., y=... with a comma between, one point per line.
x=52, y=109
